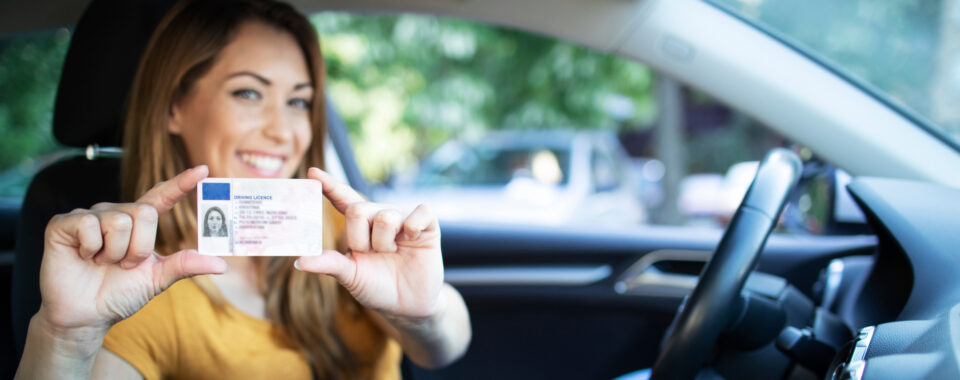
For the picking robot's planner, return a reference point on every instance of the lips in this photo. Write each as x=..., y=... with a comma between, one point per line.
x=262, y=162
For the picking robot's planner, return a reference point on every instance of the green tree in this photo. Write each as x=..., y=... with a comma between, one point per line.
x=404, y=84
x=30, y=69
x=904, y=50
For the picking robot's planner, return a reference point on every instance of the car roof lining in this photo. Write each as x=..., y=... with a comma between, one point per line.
x=599, y=24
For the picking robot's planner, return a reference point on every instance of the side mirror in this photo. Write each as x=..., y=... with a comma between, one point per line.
x=821, y=203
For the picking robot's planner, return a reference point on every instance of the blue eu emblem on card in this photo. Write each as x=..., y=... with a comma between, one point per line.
x=216, y=192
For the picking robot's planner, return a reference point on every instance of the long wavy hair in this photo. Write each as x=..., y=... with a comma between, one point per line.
x=183, y=48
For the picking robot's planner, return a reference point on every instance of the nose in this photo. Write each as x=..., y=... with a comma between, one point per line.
x=278, y=125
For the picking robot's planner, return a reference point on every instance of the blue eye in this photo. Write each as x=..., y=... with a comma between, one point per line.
x=300, y=103
x=247, y=94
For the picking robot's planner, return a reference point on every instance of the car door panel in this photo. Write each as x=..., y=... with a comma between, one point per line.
x=551, y=302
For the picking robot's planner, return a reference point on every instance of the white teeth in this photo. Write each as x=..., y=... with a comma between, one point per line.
x=267, y=163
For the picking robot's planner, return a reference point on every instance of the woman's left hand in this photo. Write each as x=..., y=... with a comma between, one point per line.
x=393, y=264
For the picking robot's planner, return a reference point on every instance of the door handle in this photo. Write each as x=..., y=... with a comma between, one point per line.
x=663, y=273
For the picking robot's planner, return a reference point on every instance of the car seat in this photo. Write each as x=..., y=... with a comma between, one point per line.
x=102, y=59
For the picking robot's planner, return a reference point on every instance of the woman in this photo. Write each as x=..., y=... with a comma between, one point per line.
x=234, y=89
x=213, y=223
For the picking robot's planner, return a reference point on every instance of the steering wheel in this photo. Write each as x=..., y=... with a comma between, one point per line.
x=707, y=312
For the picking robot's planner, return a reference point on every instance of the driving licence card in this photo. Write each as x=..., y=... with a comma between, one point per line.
x=259, y=217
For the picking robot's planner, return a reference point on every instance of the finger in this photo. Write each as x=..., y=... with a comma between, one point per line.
x=80, y=230
x=340, y=194
x=164, y=195
x=185, y=264
x=386, y=225
x=359, y=216
x=143, y=237
x=115, y=227
x=101, y=206
x=419, y=221
x=144, y=233
x=332, y=263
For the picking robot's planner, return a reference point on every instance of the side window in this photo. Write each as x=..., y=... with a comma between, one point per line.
x=491, y=124
x=30, y=69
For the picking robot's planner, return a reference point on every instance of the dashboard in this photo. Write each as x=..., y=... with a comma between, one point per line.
x=907, y=308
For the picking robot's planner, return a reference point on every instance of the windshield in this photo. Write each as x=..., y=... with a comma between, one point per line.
x=906, y=52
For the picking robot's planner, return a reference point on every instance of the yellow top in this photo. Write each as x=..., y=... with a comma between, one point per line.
x=182, y=334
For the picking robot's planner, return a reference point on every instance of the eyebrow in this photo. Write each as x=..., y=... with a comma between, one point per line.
x=266, y=81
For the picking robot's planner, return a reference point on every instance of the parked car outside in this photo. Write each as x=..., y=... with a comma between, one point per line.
x=543, y=177
x=712, y=198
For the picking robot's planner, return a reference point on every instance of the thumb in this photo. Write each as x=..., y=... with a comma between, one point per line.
x=188, y=263
x=329, y=262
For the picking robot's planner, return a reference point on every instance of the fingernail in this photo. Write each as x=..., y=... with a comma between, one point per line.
x=127, y=265
x=296, y=264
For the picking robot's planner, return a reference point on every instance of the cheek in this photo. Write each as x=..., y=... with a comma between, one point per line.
x=303, y=137
x=212, y=134
x=227, y=124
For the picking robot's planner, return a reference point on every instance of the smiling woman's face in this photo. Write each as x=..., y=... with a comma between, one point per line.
x=249, y=115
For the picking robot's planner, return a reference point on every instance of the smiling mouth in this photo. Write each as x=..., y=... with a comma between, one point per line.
x=261, y=162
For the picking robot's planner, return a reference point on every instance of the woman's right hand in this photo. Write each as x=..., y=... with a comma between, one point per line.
x=99, y=265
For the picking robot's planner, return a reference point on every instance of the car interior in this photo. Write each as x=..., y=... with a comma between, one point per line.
x=560, y=302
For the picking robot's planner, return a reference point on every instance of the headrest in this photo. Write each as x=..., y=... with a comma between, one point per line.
x=104, y=52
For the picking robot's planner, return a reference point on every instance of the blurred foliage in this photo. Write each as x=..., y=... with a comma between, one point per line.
x=30, y=69
x=900, y=47
x=406, y=83
x=862, y=32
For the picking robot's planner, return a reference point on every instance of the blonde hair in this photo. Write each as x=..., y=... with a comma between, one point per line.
x=182, y=49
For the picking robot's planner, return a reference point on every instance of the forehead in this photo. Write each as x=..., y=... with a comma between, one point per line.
x=266, y=50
